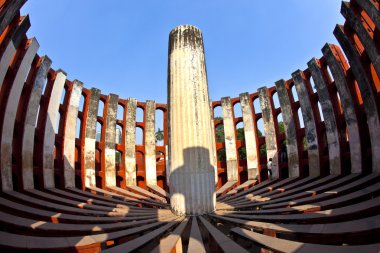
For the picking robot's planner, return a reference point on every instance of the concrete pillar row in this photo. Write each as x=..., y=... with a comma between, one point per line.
x=191, y=153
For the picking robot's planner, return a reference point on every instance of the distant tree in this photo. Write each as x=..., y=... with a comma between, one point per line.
x=240, y=134
x=281, y=127
x=117, y=157
x=159, y=135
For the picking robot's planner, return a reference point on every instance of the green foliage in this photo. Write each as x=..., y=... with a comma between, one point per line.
x=117, y=157
x=159, y=135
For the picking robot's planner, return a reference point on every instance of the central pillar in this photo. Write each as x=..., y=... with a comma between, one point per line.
x=191, y=149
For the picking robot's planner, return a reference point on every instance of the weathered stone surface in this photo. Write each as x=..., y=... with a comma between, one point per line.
x=150, y=143
x=10, y=49
x=10, y=111
x=213, y=140
x=8, y=12
x=90, y=138
x=347, y=106
x=27, y=148
x=270, y=130
x=371, y=10
x=109, y=142
x=51, y=129
x=69, y=135
x=366, y=40
x=192, y=174
x=230, y=140
x=309, y=121
x=130, y=142
x=332, y=133
x=250, y=135
x=290, y=129
x=367, y=94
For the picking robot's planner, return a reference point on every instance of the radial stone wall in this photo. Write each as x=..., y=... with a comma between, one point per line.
x=192, y=175
x=74, y=177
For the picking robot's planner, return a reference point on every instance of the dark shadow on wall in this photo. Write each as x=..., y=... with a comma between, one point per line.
x=193, y=184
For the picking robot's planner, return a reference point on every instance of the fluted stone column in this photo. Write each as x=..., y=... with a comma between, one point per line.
x=192, y=175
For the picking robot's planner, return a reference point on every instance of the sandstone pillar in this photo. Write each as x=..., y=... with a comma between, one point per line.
x=192, y=175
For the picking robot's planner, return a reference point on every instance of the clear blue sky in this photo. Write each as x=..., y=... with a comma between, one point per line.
x=120, y=46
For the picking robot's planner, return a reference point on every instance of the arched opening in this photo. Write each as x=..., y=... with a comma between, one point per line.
x=63, y=96
x=320, y=112
x=98, y=131
x=256, y=105
x=276, y=101
x=159, y=124
x=120, y=112
x=100, y=108
x=221, y=156
x=139, y=114
x=78, y=127
x=118, y=156
x=160, y=158
x=260, y=127
x=242, y=154
x=237, y=110
x=240, y=131
x=219, y=132
x=218, y=112
x=294, y=93
x=300, y=118
x=118, y=134
x=81, y=103
x=329, y=74
x=139, y=136
x=57, y=123
x=312, y=84
x=280, y=122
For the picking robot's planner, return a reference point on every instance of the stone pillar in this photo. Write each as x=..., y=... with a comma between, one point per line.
x=150, y=143
x=90, y=138
x=290, y=129
x=332, y=54
x=50, y=129
x=309, y=121
x=192, y=175
x=250, y=136
x=130, y=142
x=109, y=142
x=230, y=140
x=27, y=148
x=332, y=132
x=69, y=136
x=270, y=130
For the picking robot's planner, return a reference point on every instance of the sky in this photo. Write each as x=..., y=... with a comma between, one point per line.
x=121, y=46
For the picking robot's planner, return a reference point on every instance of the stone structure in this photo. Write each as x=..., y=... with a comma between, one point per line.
x=192, y=173
x=62, y=189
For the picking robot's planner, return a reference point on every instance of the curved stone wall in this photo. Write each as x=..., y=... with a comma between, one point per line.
x=60, y=138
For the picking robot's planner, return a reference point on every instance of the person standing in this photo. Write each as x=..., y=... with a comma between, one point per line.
x=269, y=167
